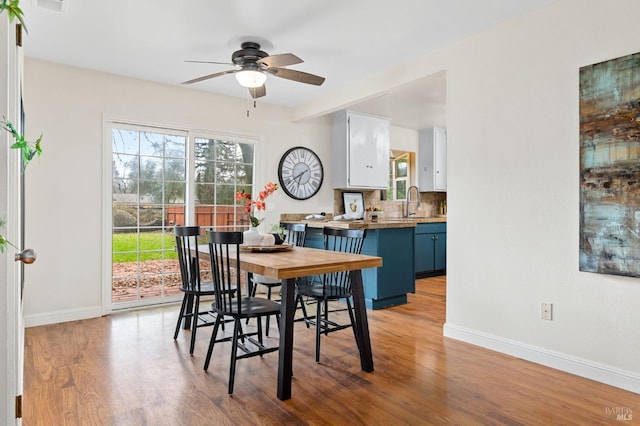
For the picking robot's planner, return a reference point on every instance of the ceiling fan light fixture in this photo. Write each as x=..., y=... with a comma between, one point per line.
x=251, y=78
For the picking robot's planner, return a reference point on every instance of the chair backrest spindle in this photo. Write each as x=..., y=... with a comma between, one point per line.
x=346, y=241
x=225, y=270
x=296, y=233
x=188, y=257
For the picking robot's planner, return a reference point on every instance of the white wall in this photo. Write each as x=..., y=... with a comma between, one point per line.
x=513, y=216
x=64, y=200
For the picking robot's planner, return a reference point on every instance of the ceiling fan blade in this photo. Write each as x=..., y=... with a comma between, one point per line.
x=282, y=60
x=302, y=77
x=258, y=92
x=207, y=77
x=210, y=62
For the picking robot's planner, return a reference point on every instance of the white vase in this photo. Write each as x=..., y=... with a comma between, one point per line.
x=252, y=237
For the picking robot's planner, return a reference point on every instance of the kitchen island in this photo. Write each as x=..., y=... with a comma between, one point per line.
x=393, y=239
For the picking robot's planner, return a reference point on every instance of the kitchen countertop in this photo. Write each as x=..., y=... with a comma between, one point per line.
x=398, y=222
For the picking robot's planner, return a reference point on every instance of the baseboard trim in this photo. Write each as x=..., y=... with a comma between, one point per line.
x=580, y=367
x=62, y=316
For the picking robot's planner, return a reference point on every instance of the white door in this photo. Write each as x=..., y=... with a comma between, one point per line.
x=12, y=331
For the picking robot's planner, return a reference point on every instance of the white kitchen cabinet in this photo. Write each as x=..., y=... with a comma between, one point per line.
x=432, y=160
x=360, y=151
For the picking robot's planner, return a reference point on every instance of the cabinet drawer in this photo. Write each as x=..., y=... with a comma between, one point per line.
x=431, y=228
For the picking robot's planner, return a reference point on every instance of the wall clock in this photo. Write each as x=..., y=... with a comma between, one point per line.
x=300, y=173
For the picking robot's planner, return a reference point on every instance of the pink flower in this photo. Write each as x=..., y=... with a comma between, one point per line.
x=259, y=204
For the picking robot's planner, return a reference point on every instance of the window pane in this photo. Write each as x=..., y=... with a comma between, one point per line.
x=205, y=171
x=226, y=172
x=150, y=168
x=225, y=195
x=401, y=189
x=154, y=242
x=175, y=169
x=175, y=215
x=125, y=166
x=228, y=151
x=124, y=141
x=175, y=146
x=151, y=144
x=151, y=215
x=401, y=167
x=125, y=191
x=205, y=193
x=175, y=192
x=125, y=216
x=150, y=191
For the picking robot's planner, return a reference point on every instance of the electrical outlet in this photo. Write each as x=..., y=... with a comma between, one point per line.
x=546, y=311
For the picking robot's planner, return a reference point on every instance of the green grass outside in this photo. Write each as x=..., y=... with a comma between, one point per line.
x=125, y=246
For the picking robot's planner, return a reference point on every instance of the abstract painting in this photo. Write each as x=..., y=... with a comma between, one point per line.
x=610, y=167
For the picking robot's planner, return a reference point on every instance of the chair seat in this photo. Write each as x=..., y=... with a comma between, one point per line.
x=327, y=292
x=252, y=307
x=206, y=289
x=261, y=279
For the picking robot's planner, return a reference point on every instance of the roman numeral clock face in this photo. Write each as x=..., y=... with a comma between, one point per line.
x=300, y=173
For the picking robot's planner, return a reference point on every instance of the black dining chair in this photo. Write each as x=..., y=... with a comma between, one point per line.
x=226, y=276
x=332, y=287
x=295, y=236
x=192, y=285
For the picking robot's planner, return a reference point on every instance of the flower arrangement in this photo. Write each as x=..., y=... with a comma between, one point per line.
x=259, y=204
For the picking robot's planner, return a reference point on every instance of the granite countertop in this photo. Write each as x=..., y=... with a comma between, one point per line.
x=398, y=222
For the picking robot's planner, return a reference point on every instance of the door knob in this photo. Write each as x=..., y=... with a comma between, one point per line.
x=27, y=256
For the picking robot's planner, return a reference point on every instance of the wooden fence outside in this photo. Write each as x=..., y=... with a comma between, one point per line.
x=220, y=217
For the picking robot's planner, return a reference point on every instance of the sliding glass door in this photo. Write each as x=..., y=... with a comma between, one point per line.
x=149, y=174
x=162, y=178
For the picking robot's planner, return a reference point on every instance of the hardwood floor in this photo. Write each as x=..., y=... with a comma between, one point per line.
x=125, y=369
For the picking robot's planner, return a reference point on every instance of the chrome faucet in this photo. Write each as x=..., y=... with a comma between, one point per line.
x=409, y=202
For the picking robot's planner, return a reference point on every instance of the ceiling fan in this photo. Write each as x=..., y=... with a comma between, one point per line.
x=253, y=65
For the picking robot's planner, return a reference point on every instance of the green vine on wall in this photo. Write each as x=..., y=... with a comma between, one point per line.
x=29, y=150
x=13, y=10
x=3, y=241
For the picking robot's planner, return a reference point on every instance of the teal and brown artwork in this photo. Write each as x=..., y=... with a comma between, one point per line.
x=610, y=166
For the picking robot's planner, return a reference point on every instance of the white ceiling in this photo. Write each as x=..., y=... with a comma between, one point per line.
x=338, y=39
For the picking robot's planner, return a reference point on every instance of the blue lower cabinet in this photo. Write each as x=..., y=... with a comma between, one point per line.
x=389, y=284
x=430, y=249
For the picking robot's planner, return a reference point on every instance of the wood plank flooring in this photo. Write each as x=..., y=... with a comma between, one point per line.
x=126, y=369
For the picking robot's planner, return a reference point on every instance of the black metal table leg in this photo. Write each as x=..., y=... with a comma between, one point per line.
x=285, y=359
x=361, y=325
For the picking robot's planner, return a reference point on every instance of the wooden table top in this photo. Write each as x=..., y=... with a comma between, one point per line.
x=300, y=262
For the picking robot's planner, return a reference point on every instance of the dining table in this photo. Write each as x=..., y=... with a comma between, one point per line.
x=296, y=262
